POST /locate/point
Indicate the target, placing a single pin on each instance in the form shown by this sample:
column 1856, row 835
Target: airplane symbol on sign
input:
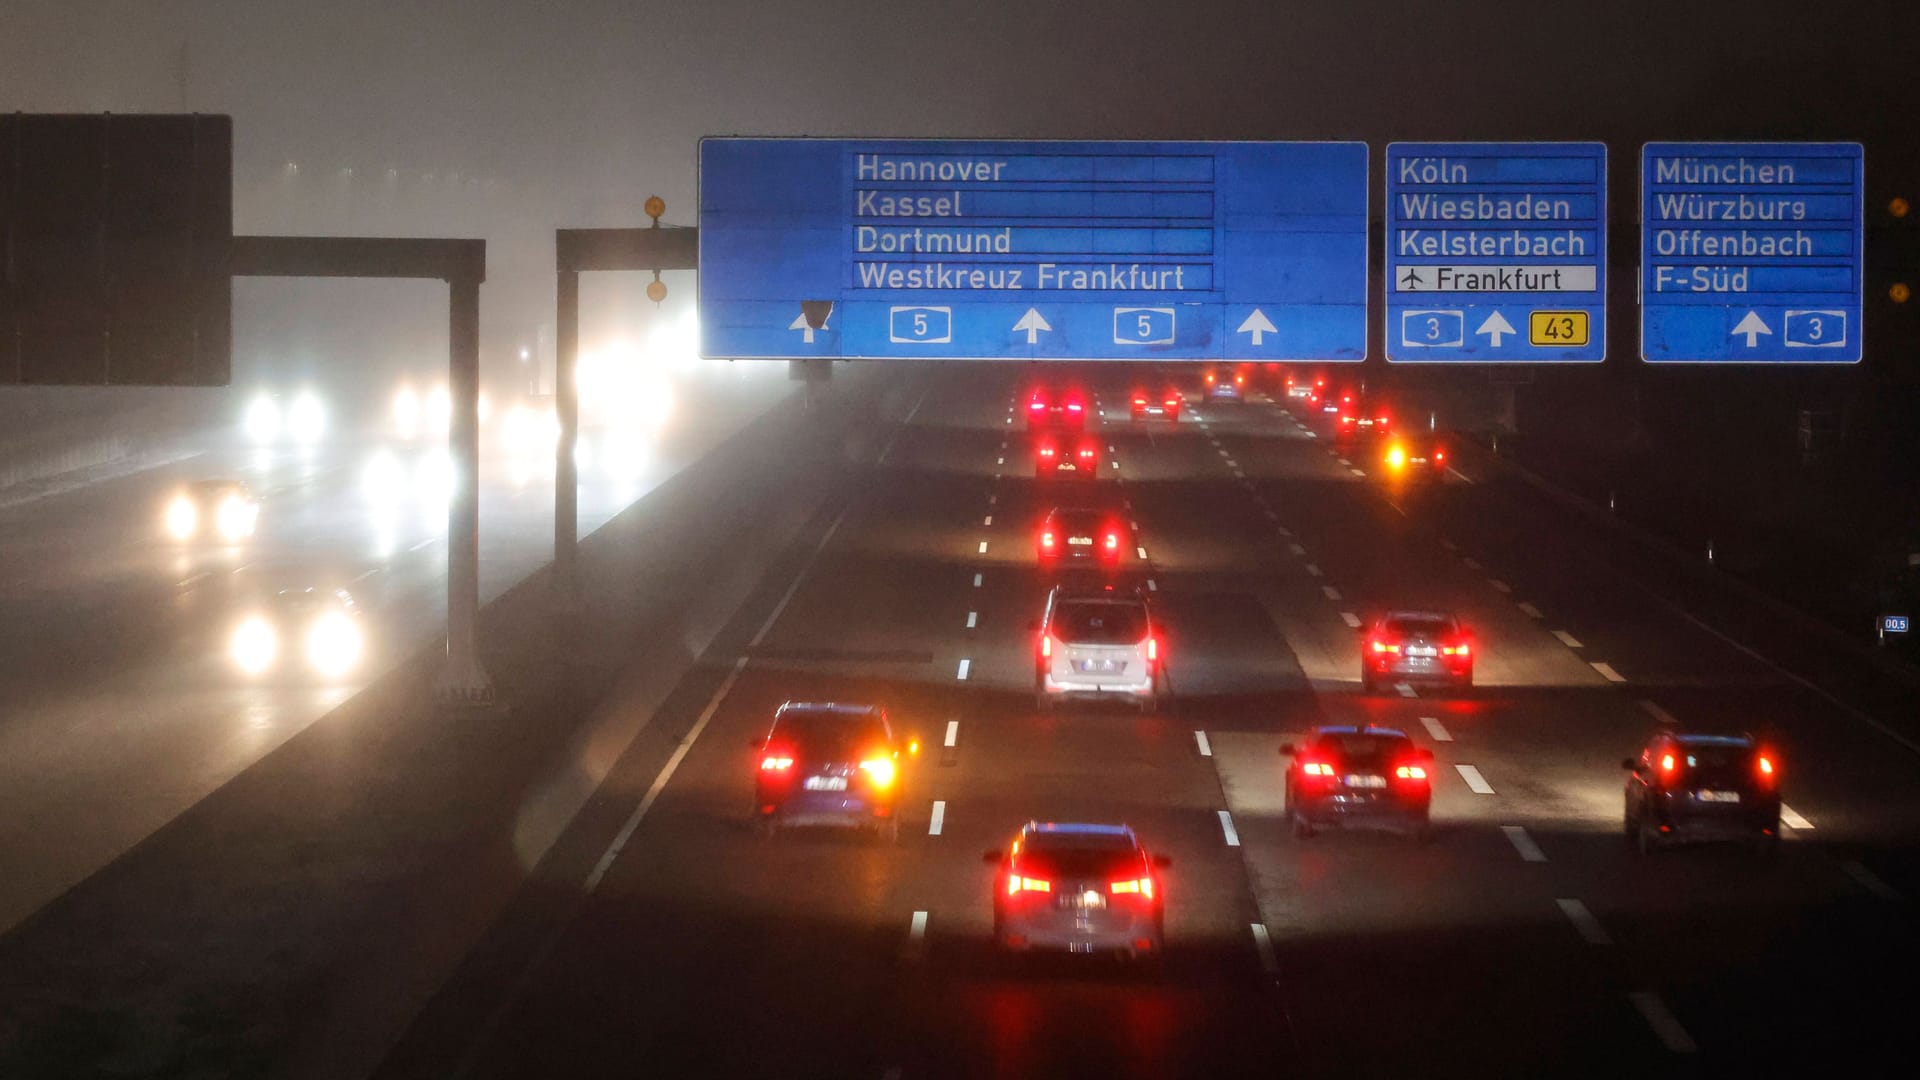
column 1412, row 277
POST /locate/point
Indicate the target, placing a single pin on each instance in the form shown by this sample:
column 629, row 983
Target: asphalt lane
column 123, row 710
column 1526, row 939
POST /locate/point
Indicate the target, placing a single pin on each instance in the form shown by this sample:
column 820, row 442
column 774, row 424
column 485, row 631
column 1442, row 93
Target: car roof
column 1442, row 616
column 1690, row 738
column 1352, row 729
column 1087, row 595
column 1074, row 834
column 828, row 707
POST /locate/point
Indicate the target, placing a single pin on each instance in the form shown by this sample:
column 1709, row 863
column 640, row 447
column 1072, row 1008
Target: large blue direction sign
column 1750, row 252
column 1496, row 252
column 1033, row 250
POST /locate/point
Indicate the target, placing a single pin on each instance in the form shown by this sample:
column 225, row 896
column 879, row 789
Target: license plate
column 1719, row 796
column 1080, row 541
column 1068, row 466
column 1420, row 650
column 1084, row 900
column 826, row 783
column 1359, row 781
column 1418, row 460
column 1109, row 667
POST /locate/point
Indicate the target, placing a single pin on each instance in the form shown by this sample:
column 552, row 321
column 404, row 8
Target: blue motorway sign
column 1751, row 252
column 1893, row 624
column 1496, row 252
column 1033, row 250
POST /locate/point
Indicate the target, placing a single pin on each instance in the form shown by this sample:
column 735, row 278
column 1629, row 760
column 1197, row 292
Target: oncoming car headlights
column 182, row 518
column 333, row 645
column 254, row 645
column 236, row 518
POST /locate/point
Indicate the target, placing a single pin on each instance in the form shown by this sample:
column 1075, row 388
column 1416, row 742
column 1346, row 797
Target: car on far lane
column 1359, row 777
column 1302, row 388
column 1414, row 459
column 1692, row 786
column 1416, row 647
column 223, row 510
column 1079, row 888
column 300, row 635
column 1056, row 408
column 1097, row 644
column 827, row 763
column 1081, row 536
column 1157, row 401
column 1362, row 419
column 1225, row 383
column 1060, row 458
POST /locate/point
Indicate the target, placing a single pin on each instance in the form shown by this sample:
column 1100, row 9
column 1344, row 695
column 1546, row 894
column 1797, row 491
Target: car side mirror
column 991, row 857
column 1162, row 861
column 1630, row 765
column 1287, row 750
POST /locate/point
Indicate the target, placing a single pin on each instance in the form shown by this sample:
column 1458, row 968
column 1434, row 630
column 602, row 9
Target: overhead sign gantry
column 903, row 249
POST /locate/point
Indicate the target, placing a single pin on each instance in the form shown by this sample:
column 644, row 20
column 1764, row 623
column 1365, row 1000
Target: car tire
column 1645, row 840
column 1302, row 828
column 1366, row 682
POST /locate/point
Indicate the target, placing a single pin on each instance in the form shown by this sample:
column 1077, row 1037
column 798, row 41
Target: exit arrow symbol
column 1258, row 325
column 1032, row 323
column 1752, row 327
column 800, row 323
column 1496, row 327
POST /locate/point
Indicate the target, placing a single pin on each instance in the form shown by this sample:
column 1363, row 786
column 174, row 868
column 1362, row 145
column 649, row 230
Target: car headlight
column 406, row 412
column 254, row 645
column 236, row 518
column 183, row 518
column 306, row 419
column 262, row 420
column 333, row 645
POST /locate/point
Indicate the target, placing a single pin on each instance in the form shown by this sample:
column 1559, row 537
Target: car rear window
column 1428, row 627
column 1080, row 855
column 1365, row 748
column 1717, row 757
column 830, row 735
column 1100, row 623
column 1077, row 522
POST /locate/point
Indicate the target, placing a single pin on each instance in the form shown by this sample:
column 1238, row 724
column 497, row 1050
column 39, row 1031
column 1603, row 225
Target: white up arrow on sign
column 1032, row 323
column 1752, row 326
column 1495, row 327
column 800, row 323
column 1258, row 325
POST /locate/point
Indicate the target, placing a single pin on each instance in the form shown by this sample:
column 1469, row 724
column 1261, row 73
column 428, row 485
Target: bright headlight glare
column 236, row 517
column 440, row 410
column 307, row 419
column 182, row 518
column 254, row 645
column 262, row 420
column 406, row 412
column 333, row 645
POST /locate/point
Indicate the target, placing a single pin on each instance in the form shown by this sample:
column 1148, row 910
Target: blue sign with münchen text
column 1751, row 252
column 902, row 249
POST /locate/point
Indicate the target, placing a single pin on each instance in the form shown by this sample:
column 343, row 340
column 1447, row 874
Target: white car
column 1097, row 645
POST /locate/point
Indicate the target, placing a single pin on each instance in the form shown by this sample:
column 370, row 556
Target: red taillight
column 1239, row 379
column 1380, row 421
column 1087, row 453
column 1113, row 541
column 1173, row 402
column 1037, row 405
column 1765, row 765
column 1153, row 649
column 1046, row 646
column 1142, row 887
column 1454, row 650
column 776, row 762
column 1316, row 768
column 1346, row 419
column 1140, row 400
column 1046, row 540
column 1074, row 406
column 1439, row 456
column 1666, row 763
column 1411, row 772
column 1046, row 451
column 1384, row 646
column 1017, row 884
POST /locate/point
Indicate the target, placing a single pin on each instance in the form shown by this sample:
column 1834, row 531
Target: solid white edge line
column 953, row 733
column 1791, row 819
column 1475, row 782
column 355, row 581
column 1606, row 672
column 1583, row 921
column 966, row 665
column 415, row 547
column 1522, row 843
column 1661, row 1019
column 1227, row 829
column 939, row 818
column 1567, row 639
column 1263, row 947
column 1200, row 739
column 1434, row 729
column 1350, row 619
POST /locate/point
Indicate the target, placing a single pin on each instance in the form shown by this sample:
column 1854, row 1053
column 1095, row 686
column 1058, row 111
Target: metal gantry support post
column 463, row 679
column 566, row 405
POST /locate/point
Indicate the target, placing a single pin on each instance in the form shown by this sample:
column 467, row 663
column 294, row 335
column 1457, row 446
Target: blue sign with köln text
column 1751, row 252
column 1496, row 252
column 907, row 249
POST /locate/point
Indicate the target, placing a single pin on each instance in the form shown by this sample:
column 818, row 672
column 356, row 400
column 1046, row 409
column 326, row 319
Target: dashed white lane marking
column 1791, row 819
column 988, row 520
column 1529, row 610
column 1285, row 533
column 1296, row 549
column 973, row 619
column 415, row 547
column 966, row 665
column 1313, row 570
column 1470, row 564
column 1232, row 464
column 1140, row 551
column 1116, row 465
column 1606, row 672
column 1271, row 516
column 1343, row 461
column 1000, row 461
column 1583, row 921
column 1463, row 477
column 917, row 935
column 1567, row 639
column 1200, row 740
column 1152, row 586
column 1448, row 544
column 356, row 580
column 1330, row 592
column 1128, row 503
column 1358, row 472
column 1223, row 451
column 939, row 818
column 1111, row 449
column 1227, row 829
column 1870, row 881
column 1263, row 945
column 1136, row 525
column 983, row 547
column 1499, row 586
column 1522, row 843
column 1405, row 689
column 1658, row 713
column 953, row 733
column 1661, row 1020
column 1350, row 619
column 1439, row 733
column 1475, row 782
column 205, row 574
column 976, row 580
